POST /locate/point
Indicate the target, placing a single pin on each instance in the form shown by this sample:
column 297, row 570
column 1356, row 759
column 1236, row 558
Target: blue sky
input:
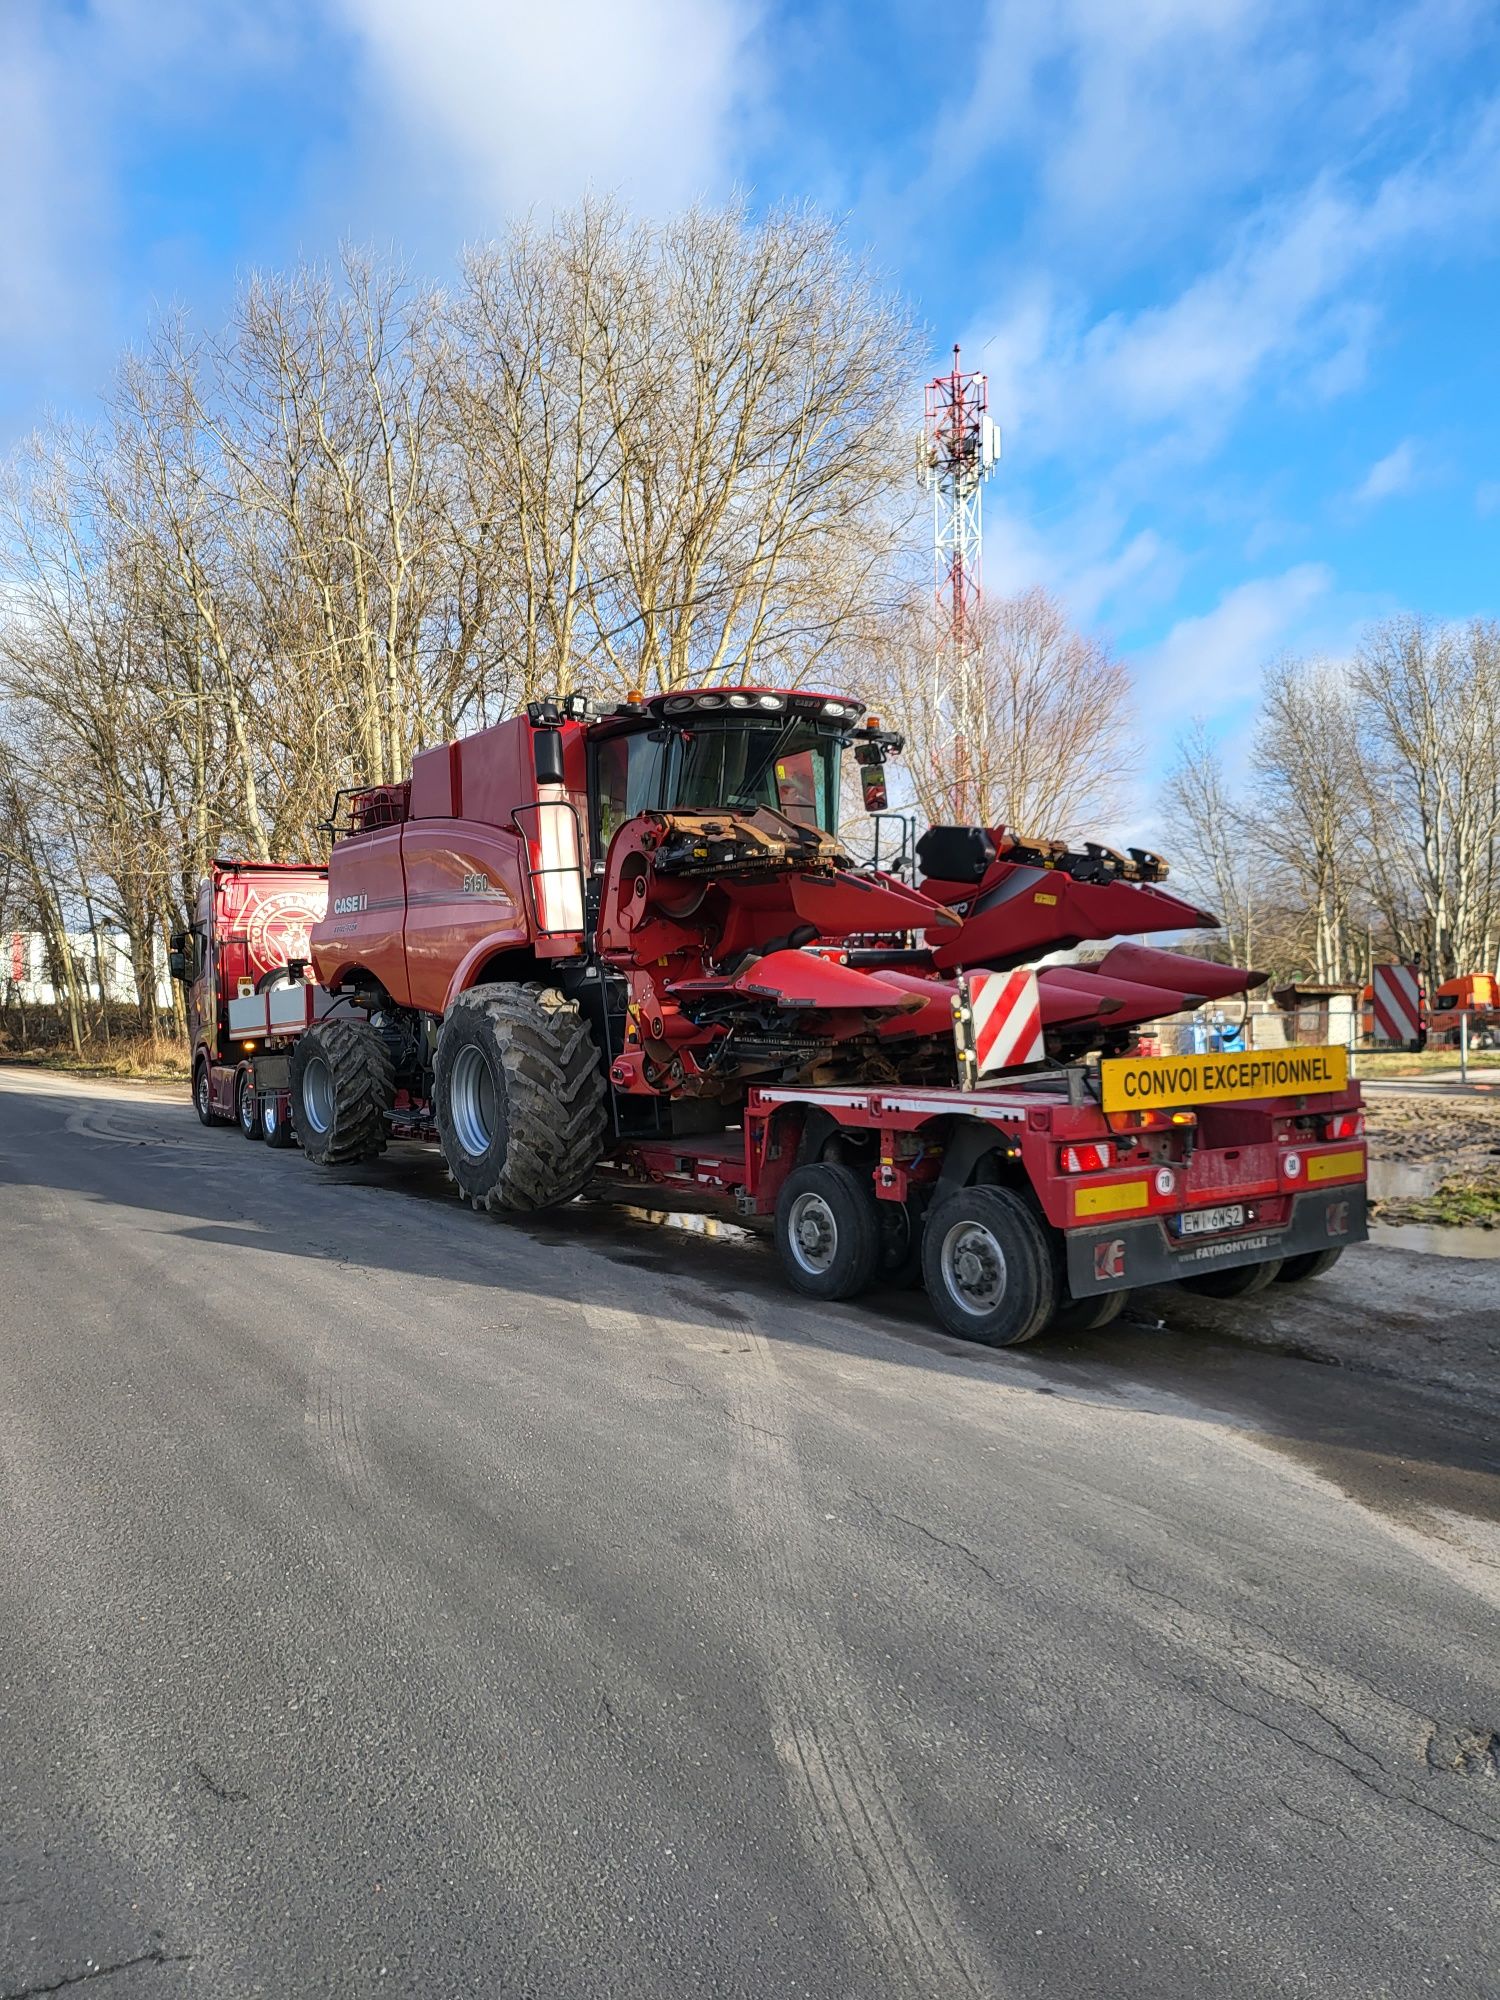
column 1229, row 264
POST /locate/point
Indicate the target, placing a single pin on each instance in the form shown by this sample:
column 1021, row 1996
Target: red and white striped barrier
column 999, row 1023
column 1400, row 1013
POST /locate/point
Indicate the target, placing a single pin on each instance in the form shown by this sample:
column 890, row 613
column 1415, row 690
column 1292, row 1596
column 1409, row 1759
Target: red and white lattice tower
column 960, row 447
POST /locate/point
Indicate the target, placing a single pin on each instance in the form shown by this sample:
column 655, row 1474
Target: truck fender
column 497, row 944
column 968, row 1142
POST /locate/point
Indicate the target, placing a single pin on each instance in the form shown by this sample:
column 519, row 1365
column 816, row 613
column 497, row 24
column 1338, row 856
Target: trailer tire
column 1241, row 1281
column 519, row 1097
column 1310, row 1264
column 987, row 1263
column 827, row 1231
column 1088, row 1315
column 901, row 1224
column 343, row 1083
column 247, row 1107
column 276, row 1121
column 203, row 1101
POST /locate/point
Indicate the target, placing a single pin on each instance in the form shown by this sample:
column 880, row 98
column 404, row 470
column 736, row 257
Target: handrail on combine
column 554, row 864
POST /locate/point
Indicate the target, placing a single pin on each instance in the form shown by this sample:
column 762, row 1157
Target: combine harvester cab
column 621, row 948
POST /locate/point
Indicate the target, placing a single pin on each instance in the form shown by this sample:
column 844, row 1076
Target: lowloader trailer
column 620, row 951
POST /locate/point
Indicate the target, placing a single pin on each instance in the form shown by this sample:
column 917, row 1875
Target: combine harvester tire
column 519, row 1097
column 343, row 1083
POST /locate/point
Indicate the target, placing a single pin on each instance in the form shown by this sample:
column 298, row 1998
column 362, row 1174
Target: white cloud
column 1208, row 665
column 536, row 107
column 1398, row 472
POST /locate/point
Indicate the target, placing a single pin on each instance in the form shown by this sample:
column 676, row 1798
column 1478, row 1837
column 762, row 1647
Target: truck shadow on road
column 1399, row 1447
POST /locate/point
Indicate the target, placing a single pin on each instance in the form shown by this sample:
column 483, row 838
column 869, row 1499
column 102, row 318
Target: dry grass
column 159, row 1058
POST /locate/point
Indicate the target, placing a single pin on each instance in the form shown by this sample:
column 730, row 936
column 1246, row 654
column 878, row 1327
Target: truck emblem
column 1109, row 1259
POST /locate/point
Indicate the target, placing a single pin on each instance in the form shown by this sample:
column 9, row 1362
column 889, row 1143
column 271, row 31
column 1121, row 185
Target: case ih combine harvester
column 621, row 949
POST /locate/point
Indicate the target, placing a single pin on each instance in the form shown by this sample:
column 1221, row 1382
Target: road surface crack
column 921, row 1527
column 222, row 1792
column 100, row 1972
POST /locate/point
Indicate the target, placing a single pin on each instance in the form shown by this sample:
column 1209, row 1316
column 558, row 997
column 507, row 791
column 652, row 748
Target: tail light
column 1149, row 1121
column 1344, row 1125
column 1088, row 1159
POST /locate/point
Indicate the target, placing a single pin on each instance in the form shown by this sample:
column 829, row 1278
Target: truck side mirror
column 177, row 956
column 547, row 756
column 870, row 757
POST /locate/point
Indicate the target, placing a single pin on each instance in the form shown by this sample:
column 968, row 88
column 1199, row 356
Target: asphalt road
column 394, row 1601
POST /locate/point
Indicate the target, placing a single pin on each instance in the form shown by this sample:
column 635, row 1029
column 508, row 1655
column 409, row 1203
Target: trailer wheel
column 343, row 1083
column 987, row 1265
column 1243, row 1281
column 900, row 1244
column 519, row 1097
column 1088, row 1315
column 247, row 1106
column 827, row 1231
column 1311, row 1264
column 276, row 1120
column 203, row 1099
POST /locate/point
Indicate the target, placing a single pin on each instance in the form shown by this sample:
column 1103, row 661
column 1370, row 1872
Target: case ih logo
column 277, row 928
column 349, row 906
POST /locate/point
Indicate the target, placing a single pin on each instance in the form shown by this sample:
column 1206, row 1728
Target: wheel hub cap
column 471, row 1098
column 813, row 1232
column 974, row 1267
column 317, row 1094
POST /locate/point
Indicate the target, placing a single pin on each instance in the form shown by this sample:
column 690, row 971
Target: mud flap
column 1135, row 1254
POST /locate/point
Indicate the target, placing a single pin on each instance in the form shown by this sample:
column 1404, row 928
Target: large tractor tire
column 519, row 1097
column 343, row 1083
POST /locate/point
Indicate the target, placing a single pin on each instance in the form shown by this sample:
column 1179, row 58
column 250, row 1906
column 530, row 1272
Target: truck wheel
column 518, row 1097
column 276, row 1120
column 1242, row 1282
column 1311, row 1264
column 900, row 1244
column 1088, row 1315
column 987, row 1265
column 203, row 1102
column 343, row 1083
column 247, row 1106
column 827, row 1231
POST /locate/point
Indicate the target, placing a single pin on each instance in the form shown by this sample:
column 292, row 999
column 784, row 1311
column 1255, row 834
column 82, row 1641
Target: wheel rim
column 317, row 1093
column 247, row 1107
column 268, row 1118
column 812, row 1234
column 973, row 1266
column 471, row 1098
column 203, row 1093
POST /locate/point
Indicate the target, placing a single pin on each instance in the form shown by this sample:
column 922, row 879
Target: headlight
column 769, row 701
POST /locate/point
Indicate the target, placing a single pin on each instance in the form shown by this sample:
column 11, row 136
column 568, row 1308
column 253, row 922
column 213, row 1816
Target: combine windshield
column 787, row 763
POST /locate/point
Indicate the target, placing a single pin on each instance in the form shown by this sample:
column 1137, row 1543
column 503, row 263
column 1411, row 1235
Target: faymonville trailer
column 620, row 949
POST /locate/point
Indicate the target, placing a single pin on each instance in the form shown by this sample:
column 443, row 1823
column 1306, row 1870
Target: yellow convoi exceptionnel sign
column 1155, row 1083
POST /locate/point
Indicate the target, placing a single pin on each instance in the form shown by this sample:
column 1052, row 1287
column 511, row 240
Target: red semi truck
column 252, row 917
column 621, row 949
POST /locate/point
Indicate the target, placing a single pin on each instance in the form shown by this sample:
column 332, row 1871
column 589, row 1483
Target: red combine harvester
column 252, row 917
column 621, row 949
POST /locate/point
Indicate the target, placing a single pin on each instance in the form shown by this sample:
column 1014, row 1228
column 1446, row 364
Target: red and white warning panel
column 997, row 1024
column 1399, row 1006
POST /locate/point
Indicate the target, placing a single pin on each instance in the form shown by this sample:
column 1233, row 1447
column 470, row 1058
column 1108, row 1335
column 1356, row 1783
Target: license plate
column 1209, row 1221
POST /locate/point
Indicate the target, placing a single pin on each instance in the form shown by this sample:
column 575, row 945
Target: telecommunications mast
column 959, row 449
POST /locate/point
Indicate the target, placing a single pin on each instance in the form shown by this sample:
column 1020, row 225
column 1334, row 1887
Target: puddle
column 1436, row 1242
column 1403, row 1180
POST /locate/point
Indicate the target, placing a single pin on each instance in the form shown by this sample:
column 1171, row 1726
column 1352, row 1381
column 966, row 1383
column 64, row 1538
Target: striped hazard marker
column 1398, row 1004
column 1004, row 1026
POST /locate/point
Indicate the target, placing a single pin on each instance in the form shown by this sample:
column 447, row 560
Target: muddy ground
column 1434, row 1159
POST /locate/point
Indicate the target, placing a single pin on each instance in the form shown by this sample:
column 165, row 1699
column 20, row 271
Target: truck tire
column 519, row 1097
column 1088, row 1315
column 1310, row 1264
column 276, row 1120
column 987, row 1263
column 1242, row 1281
column 203, row 1102
column 247, row 1106
column 343, row 1083
column 827, row 1231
